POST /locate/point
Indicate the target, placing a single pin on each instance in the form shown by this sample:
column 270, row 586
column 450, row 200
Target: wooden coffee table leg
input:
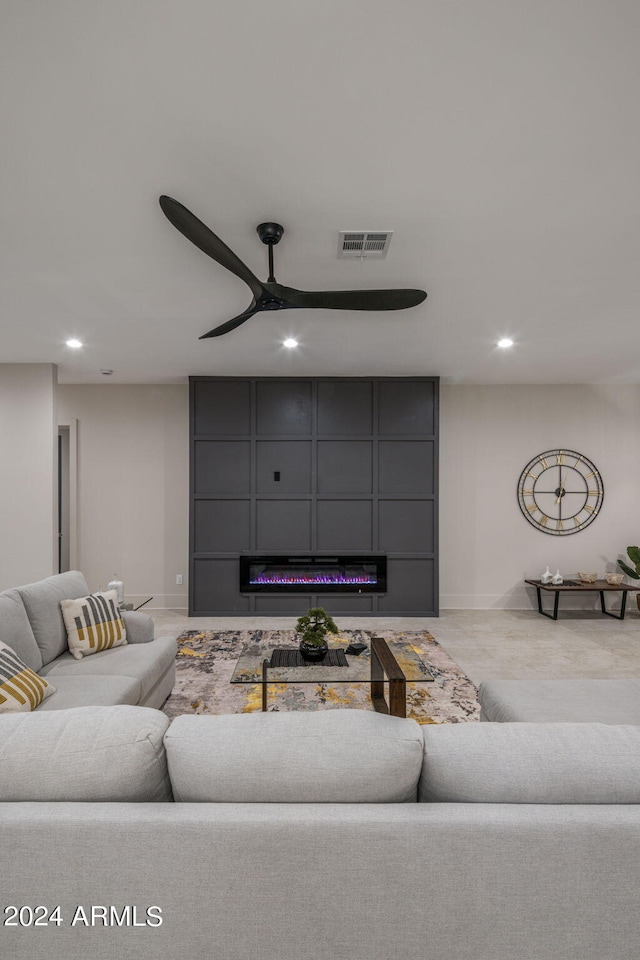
column 383, row 663
column 398, row 697
column 377, row 682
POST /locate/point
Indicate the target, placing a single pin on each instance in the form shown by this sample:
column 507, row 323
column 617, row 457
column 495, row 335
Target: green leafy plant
column 315, row 625
column 634, row 555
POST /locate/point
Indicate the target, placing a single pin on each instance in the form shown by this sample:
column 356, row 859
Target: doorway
column 67, row 491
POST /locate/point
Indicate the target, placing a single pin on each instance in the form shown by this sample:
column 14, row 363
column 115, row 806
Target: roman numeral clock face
column 560, row 492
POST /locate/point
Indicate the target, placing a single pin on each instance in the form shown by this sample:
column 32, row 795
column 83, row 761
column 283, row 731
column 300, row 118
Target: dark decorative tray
column 290, row 657
column 565, row 583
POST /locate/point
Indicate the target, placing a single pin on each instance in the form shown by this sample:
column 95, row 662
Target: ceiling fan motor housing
column 270, row 232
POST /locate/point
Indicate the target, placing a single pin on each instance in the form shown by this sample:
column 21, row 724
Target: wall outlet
column 179, row 579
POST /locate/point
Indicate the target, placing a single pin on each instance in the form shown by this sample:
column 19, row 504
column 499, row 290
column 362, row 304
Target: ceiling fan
column 271, row 295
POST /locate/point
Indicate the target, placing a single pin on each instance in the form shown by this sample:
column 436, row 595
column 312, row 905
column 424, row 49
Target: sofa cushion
column 92, row 692
column 21, row 689
column 93, row 623
column 146, row 662
column 15, row 629
column 573, row 701
column 86, row 753
column 334, row 756
column 139, row 626
column 530, row 763
column 42, row 603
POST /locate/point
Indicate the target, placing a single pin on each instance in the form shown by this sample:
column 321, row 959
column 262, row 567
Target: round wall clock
column 560, row 492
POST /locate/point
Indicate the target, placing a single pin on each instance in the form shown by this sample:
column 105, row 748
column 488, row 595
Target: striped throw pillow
column 21, row 688
column 93, row 623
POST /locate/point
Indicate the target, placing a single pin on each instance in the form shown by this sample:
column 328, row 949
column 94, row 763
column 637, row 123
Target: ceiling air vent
column 364, row 244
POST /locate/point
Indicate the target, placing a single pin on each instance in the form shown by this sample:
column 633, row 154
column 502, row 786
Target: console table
column 129, row 605
column 577, row 586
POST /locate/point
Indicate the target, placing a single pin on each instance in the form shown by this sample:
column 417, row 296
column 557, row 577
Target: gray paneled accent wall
column 314, row 465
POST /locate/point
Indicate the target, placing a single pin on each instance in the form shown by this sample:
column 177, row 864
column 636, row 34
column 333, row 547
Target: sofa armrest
column 139, row 626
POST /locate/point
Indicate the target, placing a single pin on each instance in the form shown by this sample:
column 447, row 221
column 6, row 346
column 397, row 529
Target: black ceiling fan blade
column 204, row 238
column 356, row 299
column 231, row 324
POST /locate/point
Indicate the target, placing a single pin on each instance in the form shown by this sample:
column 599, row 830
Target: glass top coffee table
column 395, row 662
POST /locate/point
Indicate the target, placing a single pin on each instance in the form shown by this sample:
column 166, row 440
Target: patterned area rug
column 206, row 660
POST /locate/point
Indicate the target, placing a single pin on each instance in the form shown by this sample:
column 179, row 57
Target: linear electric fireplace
column 300, row 574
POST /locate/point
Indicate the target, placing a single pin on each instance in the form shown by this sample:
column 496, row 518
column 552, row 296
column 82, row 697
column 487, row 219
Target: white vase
column 557, row 578
column 118, row 586
column 547, row 576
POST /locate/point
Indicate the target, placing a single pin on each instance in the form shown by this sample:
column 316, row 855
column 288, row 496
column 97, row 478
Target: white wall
column 133, row 486
column 28, row 473
column 488, row 434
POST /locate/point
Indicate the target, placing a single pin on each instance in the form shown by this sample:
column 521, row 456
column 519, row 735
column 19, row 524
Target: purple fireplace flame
column 313, row 577
column 299, row 574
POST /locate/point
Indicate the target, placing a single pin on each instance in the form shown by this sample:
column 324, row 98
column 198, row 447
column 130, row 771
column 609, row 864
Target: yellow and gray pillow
column 93, row 623
column 21, row 688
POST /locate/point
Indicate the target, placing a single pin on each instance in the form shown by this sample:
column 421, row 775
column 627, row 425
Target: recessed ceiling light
column 290, row 343
column 74, row 343
column 505, row 343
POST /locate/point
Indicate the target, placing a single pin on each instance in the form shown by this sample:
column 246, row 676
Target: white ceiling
column 498, row 139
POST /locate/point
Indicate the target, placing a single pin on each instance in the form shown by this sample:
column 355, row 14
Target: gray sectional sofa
column 560, row 701
column 338, row 835
column 142, row 672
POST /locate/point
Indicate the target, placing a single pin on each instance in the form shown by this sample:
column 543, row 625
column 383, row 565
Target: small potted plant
column 634, row 555
column 312, row 629
column 634, row 572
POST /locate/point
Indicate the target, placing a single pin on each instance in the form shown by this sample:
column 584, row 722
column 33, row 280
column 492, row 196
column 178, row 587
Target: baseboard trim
column 522, row 600
column 159, row 601
column 486, row 601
